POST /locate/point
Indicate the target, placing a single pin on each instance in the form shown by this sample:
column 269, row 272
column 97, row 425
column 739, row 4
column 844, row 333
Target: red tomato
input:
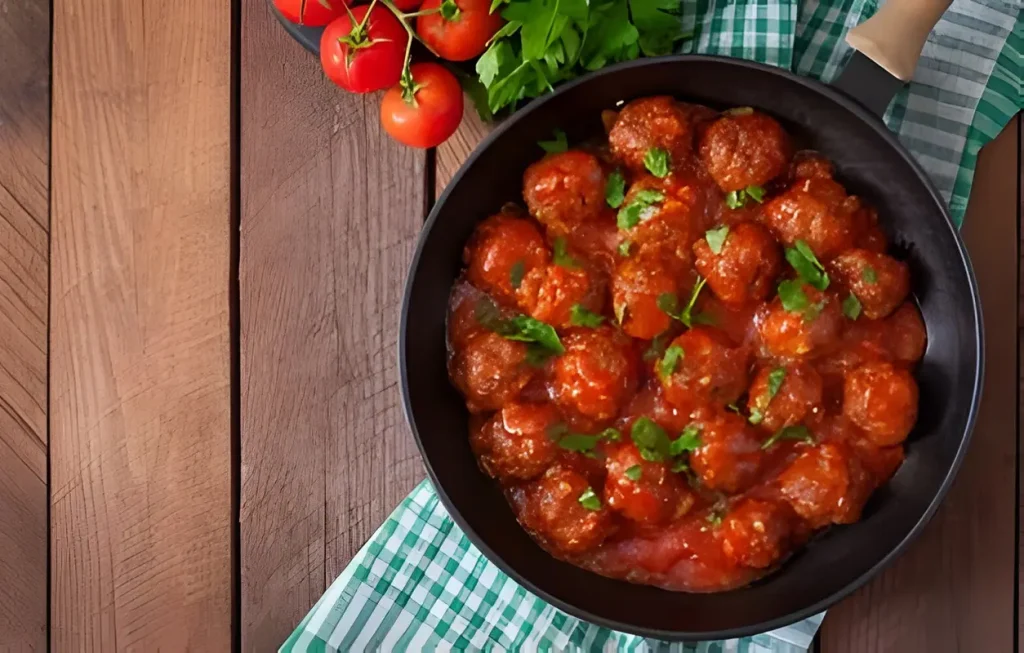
column 430, row 113
column 460, row 29
column 312, row 13
column 366, row 56
column 407, row 5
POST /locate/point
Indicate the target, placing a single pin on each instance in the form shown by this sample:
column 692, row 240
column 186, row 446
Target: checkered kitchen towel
column 419, row 584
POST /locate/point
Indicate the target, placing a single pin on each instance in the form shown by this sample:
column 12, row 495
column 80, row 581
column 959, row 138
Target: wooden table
column 202, row 251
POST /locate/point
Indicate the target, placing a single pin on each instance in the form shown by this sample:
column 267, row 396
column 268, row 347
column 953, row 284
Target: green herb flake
column 581, row 317
column 680, row 465
column 650, row 439
column 735, row 199
column 624, row 248
column 610, row 434
column 807, row 265
column 589, row 499
column 792, row 296
column 668, row 303
column 560, row 254
column 668, row 364
column 657, row 162
column 799, row 432
column 631, row 214
column 634, row 473
column 656, row 348
column 869, row 275
column 523, row 328
column 685, row 315
column 756, row 416
column 755, row 193
column 517, row 273
column 578, row 442
column 615, row 189
column 775, row 379
column 851, row 307
column 813, row 311
column 716, row 238
column 688, row 440
column 559, row 144
column 714, row 518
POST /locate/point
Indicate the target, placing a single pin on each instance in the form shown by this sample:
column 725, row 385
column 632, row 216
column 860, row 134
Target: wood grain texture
column 24, row 272
column 140, row 369
column 954, row 589
column 331, row 209
column 453, row 152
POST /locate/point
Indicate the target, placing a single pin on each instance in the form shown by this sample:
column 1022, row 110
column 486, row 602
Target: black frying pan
column 871, row 163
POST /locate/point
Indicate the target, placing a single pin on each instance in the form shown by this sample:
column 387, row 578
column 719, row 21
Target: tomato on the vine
column 366, row 55
column 425, row 108
column 459, row 29
column 407, row 5
column 312, row 13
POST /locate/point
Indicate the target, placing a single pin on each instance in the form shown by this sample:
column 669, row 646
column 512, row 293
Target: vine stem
column 411, row 32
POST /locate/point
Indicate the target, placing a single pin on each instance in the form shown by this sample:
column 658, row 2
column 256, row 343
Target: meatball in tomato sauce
column 755, row 533
column 551, row 292
column 646, row 492
column 745, row 265
column 515, row 443
column 784, row 395
column 816, row 211
column 565, row 190
column 882, row 400
column 729, row 456
column 563, row 510
column 809, row 327
column 826, row 484
column 595, row 376
column 880, row 282
column 654, row 122
column 637, row 283
column 490, row 371
column 700, row 367
column 502, row 251
column 744, row 148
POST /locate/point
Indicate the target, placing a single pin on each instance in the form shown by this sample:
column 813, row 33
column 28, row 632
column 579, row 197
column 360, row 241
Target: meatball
column 706, row 369
column 803, row 333
column 798, row 391
column 826, row 484
column 869, row 235
column 514, row 444
column 595, row 376
column 551, row 507
column 729, row 455
column 665, row 224
column 502, row 250
column 744, row 268
column 549, row 293
column 645, row 492
column 565, row 189
column 816, row 211
column 880, row 282
column 490, row 371
column 808, row 164
column 755, row 533
column 744, row 148
column 648, row 123
column 905, row 334
column 882, row 400
column 637, row 283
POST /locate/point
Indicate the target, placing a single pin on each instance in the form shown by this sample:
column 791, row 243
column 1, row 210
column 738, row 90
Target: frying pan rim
column 874, row 122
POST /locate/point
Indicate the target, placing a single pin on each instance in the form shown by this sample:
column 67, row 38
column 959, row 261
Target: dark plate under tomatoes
column 687, row 350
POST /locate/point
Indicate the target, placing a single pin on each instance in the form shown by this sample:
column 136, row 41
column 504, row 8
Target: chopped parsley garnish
column 761, row 402
column 792, row 296
column 680, row 465
column 688, row 440
column 542, row 339
column 615, row 190
column 634, row 473
column 851, row 307
column 589, row 500
column 560, row 254
column 735, row 199
column 869, row 275
column 580, row 316
column 631, row 214
column 559, row 144
column 799, row 432
column 716, row 238
column 651, row 440
column 657, row 161
column 669, row 303
column 668, row 364
column 715, row 516
column 656, row 348
column 807, row 265
column 775, row 379
column 517, row 273
column 580, row 442
column 739, row 111
column 756, row 416
column 813, row 311
column 624, row 247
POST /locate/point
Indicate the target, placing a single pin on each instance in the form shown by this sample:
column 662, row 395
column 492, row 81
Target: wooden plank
column 330, row 212
column 24, row 274
column 140, row 368
column 954, row 589
column 453, row 152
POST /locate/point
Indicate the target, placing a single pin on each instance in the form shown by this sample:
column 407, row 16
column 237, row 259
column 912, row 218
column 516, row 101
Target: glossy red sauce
column 688, row 448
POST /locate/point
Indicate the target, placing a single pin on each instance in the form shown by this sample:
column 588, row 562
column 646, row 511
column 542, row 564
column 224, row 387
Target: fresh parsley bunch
column 546, row 42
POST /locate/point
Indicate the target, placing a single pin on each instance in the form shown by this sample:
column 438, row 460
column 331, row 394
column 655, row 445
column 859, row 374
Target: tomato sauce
column 688, row 352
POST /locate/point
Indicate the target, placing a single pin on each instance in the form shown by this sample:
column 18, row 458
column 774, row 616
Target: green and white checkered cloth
column 419, row 584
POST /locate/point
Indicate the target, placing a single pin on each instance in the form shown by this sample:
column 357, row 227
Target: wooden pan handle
column 894, row 37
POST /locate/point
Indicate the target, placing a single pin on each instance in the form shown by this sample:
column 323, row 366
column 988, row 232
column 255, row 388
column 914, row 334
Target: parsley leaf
column 560, row 254
column 580, row 316
column 634, row 473
column 668, row 364
column 542, row 337
column 792, row 296
column 631, row 214
column 689, row 440
column 669, row 303
column 869, row 275
column 716, row 238
column 611, row 434
column 650, row 439
column 516, row 274
column 578, row 442
column 761, row 402
column 851, row 307
column 657, row 162
column 624, row 247
column 799, row 432
column 756, row 416
column 807, row 265
column 775, row 379
column 684, row 316
column 589, row 499
column 755, row 193
column 615, row 189
column 559, row 144
column 734, row 199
